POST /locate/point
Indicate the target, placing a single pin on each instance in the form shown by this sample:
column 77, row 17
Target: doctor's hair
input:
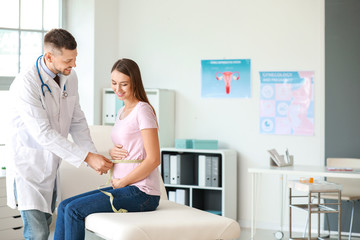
column 59, row 38
column 131, row 69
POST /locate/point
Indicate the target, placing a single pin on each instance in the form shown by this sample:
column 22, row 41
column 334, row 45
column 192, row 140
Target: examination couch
column 170, row 221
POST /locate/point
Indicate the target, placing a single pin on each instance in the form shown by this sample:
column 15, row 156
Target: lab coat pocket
column 68, row 114
column 71, row 104
column 32, row 163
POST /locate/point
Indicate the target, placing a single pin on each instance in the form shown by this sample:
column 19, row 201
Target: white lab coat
column 38, row 139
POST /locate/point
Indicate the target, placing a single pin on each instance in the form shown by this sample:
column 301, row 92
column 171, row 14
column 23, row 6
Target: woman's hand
column 118, row 183
column 117, row 152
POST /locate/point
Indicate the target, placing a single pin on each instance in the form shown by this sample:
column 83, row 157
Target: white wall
column 94, row 25
column 169, row 39
column 79, row 19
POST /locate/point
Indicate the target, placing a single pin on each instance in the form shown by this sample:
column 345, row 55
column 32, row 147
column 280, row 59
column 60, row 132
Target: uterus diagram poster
column 287, row 103
column 225, row 78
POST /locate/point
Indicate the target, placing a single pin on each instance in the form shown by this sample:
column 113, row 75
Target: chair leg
column 307, row 222
column 328, row 225
column 352, row 218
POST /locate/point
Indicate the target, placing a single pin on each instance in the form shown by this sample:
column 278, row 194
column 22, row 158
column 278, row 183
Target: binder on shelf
column 215, row 171
column 202, row 170
column 208, row 171
column 172, row 196
column 109, row 113
column 173, row 169
column 181, row 169
column 182, row 196
column 166, row 168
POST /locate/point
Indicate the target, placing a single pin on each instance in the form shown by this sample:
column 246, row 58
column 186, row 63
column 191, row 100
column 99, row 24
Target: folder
column 173, row 169
column 172, row 196
column 208, row 171
column 202, row 169
column 166, row 168
column 182, row 196
column 214, row 171
column 109, row 112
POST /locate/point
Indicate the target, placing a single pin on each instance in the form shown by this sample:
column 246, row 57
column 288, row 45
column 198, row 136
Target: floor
column 245, row 235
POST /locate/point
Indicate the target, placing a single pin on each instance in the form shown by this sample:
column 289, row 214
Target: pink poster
column 287, row 103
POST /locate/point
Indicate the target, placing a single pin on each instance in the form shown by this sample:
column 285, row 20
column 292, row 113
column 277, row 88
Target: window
column 23, row 24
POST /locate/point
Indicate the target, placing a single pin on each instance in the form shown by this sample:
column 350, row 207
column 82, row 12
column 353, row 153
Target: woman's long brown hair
column 131, row 69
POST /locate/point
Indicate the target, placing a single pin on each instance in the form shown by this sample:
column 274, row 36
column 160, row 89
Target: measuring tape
column 109, row 180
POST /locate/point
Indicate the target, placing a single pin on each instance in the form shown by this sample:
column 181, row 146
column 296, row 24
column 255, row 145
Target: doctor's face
column 61, row 62
column 121, row 85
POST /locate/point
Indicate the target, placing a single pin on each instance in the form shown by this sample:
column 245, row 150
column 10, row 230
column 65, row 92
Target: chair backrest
column 350, row 186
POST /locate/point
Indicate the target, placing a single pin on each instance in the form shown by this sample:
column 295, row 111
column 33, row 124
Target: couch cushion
column 169, row 221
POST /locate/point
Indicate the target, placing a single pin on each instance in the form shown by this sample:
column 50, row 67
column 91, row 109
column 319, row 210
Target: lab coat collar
column 45, row 68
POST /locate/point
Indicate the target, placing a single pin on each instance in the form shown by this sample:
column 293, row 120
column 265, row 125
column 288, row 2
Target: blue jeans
column 36, row 223
column 70, row 222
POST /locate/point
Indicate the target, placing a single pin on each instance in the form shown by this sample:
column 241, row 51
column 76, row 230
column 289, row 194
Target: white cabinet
column 163, row 101
column 10, row 219
column 219, row 197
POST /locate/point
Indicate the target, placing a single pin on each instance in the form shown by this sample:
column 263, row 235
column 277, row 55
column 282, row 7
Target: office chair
column 350, row 191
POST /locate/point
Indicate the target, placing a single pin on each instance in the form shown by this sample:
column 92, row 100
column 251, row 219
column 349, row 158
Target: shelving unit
column 10, row 219
column 222, row 199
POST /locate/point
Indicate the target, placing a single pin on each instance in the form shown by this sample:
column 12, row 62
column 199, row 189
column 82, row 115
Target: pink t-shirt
column 127, row 132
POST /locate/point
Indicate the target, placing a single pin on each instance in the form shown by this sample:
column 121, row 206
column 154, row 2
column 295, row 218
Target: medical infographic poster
column 287, row 103
column 225, row 78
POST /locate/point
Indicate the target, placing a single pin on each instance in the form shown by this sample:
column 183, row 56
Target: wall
column 94, row 25
column 79, row 20
column 169, row 39
column 342, row 37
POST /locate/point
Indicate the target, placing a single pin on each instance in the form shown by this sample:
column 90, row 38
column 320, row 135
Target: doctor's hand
column 98, row 162
column 118, row 152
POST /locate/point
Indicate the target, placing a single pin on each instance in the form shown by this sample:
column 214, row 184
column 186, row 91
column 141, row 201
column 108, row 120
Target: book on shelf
column 172, row 196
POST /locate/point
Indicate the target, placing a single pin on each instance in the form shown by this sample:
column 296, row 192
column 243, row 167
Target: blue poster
column 225, row 78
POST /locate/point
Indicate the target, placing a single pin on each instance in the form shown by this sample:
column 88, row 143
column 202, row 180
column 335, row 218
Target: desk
column 299, row 170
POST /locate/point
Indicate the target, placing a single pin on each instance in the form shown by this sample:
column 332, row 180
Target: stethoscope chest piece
column 64, row 95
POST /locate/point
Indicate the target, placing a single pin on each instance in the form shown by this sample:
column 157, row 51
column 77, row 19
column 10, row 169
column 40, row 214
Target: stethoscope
column 64, row 94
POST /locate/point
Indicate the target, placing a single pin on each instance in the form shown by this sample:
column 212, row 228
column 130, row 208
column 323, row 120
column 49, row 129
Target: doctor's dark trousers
column 70, row 222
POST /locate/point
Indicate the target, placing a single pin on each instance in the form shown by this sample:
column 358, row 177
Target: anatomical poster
column 225, row 78
column 287, row 103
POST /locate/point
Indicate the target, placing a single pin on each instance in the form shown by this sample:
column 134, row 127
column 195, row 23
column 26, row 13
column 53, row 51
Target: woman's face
column 121, row 85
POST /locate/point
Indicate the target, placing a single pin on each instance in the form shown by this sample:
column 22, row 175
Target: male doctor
column 43, row 113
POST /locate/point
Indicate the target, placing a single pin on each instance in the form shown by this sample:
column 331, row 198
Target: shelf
column 193, row 186
column 217, row 195
column 315, row 208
